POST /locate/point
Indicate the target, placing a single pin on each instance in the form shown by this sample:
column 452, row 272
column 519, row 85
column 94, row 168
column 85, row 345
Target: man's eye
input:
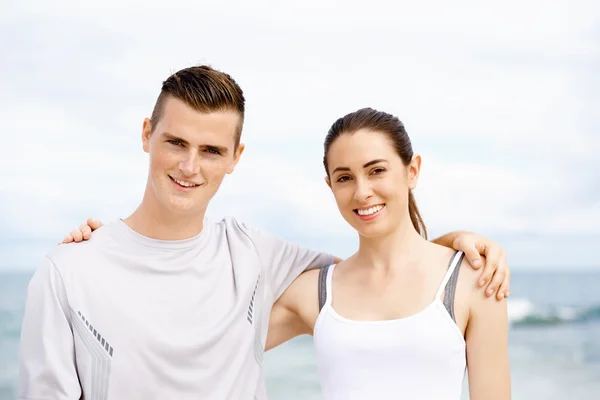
column 214, row 151
column 174, row 142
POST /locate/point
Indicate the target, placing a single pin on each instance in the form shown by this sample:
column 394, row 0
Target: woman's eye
column 343, row 178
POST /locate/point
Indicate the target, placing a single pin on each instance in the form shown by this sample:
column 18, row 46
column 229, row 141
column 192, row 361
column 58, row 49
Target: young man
column 163, row 304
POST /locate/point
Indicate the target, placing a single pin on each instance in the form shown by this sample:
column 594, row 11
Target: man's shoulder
column 237, row 230
column 65, row 255
column 232, row 223
column 242, row 237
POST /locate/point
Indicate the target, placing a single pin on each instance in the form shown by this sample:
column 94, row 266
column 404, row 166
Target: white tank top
column 418, row 357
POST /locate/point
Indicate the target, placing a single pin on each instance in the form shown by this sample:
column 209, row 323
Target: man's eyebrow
column 366, row 165
column 173, row 137
column 221, row 149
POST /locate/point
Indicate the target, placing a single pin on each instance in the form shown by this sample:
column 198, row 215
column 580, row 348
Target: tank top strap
column 454, row 262
column 325, row 277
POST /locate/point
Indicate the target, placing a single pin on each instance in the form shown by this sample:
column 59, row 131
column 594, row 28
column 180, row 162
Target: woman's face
column 369, row 181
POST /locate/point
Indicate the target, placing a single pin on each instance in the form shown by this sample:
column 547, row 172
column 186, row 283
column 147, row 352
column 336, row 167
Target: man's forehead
column 197, row 131
column 176, row 110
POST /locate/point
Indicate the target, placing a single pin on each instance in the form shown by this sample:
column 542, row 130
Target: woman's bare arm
column 284, row 324
column 294, row 313
column 487, row 349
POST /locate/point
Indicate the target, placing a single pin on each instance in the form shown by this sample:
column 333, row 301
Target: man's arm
column 495, row 274
column 47, row 354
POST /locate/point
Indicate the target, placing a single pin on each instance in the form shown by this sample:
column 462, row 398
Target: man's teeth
column 186, row 184
column 370, row 211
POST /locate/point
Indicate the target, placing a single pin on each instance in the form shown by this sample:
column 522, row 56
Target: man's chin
column 186, row 208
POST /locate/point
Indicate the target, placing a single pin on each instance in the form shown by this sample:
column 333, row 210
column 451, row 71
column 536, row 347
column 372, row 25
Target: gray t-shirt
column 123, row 316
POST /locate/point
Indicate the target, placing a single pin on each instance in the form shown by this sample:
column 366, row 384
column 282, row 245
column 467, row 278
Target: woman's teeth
column 183, row 183
column 369, row 211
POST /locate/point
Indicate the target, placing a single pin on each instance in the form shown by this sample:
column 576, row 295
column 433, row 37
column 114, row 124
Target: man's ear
column 146, row 133
column 236, row 157
column 413, row 169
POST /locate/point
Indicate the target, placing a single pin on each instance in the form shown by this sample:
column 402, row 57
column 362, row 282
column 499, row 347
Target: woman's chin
column 372, row 232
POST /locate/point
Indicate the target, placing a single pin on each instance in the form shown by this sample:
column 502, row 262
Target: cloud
column 500, row 99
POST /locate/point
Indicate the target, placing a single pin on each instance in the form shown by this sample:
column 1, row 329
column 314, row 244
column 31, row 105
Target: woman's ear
column 413, row 170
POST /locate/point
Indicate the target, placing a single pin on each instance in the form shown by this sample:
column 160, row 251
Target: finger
column 504, row 288
column 86, row 231
column 493, row 259
column 472, row 254
column 68, row 239
column 94, row 224
column 77, row 236
column 495, row 283
column 488, row 271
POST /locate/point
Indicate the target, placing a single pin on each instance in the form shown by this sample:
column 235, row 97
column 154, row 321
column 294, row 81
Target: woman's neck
column 395, row 250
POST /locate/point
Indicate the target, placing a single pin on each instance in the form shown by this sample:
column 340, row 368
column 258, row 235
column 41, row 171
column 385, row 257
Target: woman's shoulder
column 303, row 288
column 478, row 301
column 309, row 277
column 469, row 274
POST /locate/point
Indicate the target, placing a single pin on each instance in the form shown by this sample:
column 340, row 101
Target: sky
column 500, row 100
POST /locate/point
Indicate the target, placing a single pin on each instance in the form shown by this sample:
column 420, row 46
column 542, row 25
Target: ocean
column 554, row 340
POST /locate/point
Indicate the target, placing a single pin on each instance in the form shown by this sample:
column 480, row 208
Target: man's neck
column 157, row 223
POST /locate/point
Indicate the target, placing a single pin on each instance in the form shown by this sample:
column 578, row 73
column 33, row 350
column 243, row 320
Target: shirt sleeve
column 47, row 355
column 285, row 261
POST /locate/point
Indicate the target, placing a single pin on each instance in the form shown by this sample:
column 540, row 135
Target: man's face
column 190, row 153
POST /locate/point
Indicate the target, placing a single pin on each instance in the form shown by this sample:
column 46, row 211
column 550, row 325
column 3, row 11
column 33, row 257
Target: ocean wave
column 522, row 312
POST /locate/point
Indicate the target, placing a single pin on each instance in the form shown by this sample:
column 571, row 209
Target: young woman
column 402, row 317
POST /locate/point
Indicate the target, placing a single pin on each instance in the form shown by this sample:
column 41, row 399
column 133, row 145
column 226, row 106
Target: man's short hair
column 205, row 89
